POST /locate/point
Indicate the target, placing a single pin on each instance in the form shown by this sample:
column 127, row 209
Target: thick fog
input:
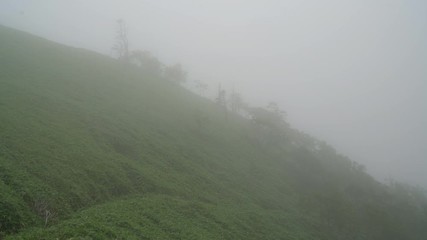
column 351, row 72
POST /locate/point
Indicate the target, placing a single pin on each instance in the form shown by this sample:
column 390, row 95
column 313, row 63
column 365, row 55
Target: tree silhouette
column 221, row 100
column 121, row 45
column 201, row 86
column 236, row 102
column 175, row 73
column 146, row 61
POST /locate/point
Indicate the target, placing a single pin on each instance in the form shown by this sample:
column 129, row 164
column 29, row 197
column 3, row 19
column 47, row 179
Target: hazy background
column 351, row 72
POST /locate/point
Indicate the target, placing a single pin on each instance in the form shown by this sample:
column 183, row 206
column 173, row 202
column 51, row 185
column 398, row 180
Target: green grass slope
column 92, row 149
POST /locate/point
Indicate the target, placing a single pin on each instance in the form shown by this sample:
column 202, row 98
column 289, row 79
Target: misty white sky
column 351, row 72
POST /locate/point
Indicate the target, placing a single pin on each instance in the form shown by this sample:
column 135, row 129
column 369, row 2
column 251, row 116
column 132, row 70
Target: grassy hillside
column 93, row 149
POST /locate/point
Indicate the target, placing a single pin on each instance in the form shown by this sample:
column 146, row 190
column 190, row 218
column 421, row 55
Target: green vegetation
column 94, row 149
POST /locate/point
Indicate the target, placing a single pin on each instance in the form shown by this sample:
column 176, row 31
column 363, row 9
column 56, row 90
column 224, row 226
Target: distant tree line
column 144, row 59
column 270, row 118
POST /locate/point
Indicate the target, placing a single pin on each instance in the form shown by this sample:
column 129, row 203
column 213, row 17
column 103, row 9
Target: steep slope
column 94, row 149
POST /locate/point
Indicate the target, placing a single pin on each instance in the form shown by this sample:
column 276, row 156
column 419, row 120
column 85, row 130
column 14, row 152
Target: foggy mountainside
column 95, row 148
